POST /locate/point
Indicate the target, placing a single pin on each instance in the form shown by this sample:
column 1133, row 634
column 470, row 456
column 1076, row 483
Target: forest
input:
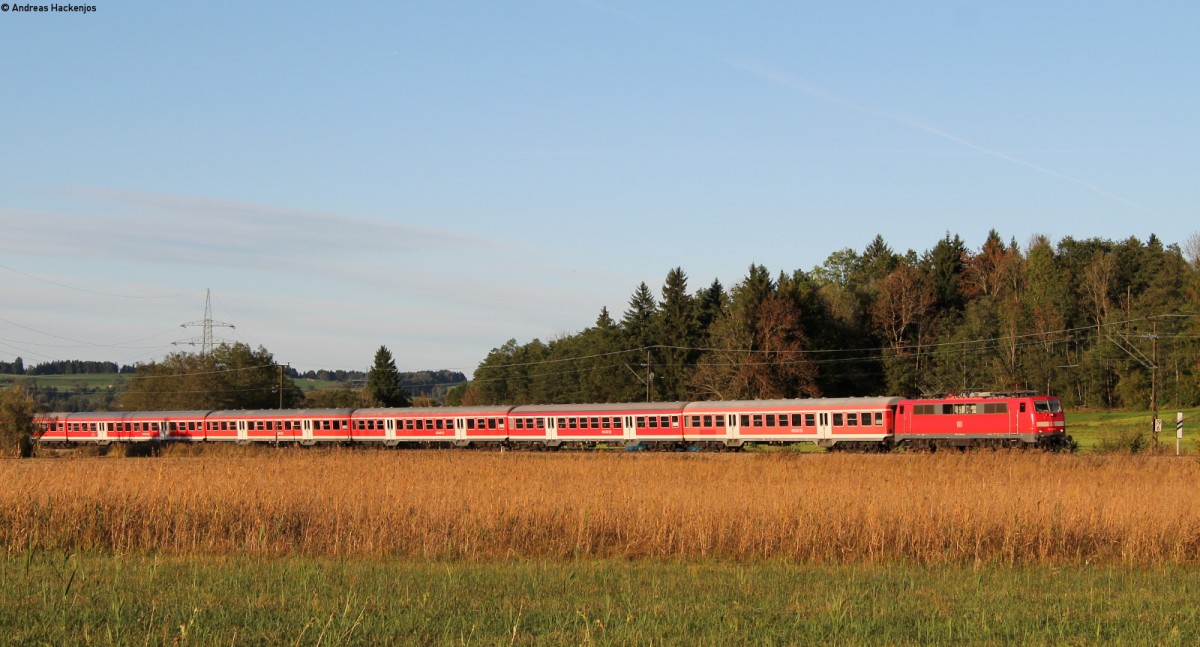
column 1099, row 323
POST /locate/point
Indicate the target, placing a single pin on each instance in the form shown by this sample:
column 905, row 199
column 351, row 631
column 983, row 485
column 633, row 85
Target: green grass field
column 1088, row 428
column 114, row 381
column 97, row 600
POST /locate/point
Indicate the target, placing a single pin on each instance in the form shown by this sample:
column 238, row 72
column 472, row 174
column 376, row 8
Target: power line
column 97, row 292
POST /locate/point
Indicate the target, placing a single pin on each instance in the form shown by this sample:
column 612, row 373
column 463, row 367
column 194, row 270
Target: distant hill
column 82, row 386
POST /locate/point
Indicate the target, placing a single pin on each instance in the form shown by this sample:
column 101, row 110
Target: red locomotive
column 877, row 423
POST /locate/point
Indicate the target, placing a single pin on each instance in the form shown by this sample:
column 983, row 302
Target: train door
column 102, row 432
column 551, row 431
column 460, row 430
column 389, row 431
column 628, row 430
column 306, row 432
column 732, row 431
column 243, row 433
column 824, row 429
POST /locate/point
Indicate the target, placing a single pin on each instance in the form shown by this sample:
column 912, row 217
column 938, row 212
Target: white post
column 1178, row 431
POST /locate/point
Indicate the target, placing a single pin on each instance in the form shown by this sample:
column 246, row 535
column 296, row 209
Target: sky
column 441, row 177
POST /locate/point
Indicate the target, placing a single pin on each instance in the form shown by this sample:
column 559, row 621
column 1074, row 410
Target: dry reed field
column 945, row 508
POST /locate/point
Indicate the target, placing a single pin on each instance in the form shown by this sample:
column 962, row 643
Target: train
column 863, row 423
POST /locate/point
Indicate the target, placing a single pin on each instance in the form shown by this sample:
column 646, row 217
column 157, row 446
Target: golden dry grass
column 817, row 508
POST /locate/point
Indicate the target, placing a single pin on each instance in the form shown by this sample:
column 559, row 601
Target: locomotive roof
column 530, row 409
column 713, row 405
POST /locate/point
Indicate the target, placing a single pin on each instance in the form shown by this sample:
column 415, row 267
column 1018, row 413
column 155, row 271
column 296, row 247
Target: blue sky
column 439, row 177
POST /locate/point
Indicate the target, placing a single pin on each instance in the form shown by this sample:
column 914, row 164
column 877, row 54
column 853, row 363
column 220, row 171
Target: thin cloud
column 785, row 79
column 156, row 228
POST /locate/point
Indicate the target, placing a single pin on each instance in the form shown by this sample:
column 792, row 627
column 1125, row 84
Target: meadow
column 926, row 509
column 60, row 599
column 340, row 547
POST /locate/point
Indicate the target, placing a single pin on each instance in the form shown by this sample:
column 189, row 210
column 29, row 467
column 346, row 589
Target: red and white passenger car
column 872, row 422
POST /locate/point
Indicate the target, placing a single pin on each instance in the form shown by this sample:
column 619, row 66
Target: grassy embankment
column 1097, row 429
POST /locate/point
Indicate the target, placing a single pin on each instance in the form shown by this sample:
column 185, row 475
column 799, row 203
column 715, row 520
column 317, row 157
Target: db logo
column 4, row 7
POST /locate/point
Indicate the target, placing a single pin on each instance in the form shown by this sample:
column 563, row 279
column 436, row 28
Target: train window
column 923, row 409
column 770, row 420
column 653, row 422
column 420, row 424
column 562, row 423
column 674, row 421
column 1041, row 406
column 745, row 420
column 758, row 420
column 520, row 423
column 995, row 407
column 851, row 419
column 810, row 420
column 797, row 420
column 964, row 408
column 606, row 423
column 695, row 421
column 1022, row 407
column 595, row 423
column 541, row 423
column 409, row 424
column 491, row 423
column 707, row 421
column 878, row 418
column 838, row 419
column 641, row 421
column 719, row 421
column 440, row 424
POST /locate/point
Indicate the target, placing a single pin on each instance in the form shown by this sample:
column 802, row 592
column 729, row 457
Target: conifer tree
column 383, row 381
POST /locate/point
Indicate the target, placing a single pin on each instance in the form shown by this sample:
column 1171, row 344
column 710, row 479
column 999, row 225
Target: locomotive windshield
column 1047, row 406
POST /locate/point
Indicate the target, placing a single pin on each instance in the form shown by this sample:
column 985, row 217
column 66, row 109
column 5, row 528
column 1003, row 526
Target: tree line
column 1094, row 321
column 64, row 367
